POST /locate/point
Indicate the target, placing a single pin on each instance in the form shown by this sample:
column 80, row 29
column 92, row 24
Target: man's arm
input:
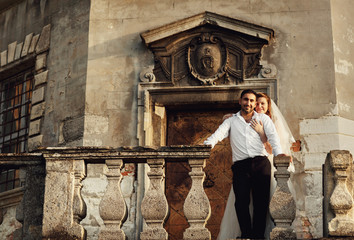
column 221, row 133
column 272, row 135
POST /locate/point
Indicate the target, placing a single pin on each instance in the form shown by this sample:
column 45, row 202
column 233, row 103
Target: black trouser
column 252, row 174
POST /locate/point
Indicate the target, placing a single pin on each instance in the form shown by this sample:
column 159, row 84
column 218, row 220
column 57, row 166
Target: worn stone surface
column 338, row 193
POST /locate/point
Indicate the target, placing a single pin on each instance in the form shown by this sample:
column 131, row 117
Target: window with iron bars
column 15, row 109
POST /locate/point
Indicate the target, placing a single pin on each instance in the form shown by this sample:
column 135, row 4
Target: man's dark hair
column 248, row 91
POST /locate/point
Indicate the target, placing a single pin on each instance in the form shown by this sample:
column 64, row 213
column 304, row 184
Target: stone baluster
column 154, row 207
column 341, row 200
column 282, row 206
column 112, row 206
column 79, row 206
column 196, row 206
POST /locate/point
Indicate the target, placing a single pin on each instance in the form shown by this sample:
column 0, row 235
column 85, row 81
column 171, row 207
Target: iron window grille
column 15, row 110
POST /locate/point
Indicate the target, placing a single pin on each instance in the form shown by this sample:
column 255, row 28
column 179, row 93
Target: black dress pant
column 252, row 175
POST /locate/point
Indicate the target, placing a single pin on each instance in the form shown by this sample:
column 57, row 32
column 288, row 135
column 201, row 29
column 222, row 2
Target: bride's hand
column 257, row 126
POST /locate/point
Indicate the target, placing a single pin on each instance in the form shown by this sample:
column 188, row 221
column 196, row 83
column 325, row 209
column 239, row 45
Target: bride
column 229, row 227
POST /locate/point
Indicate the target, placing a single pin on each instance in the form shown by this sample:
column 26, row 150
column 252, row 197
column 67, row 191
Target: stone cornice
column 207, row 18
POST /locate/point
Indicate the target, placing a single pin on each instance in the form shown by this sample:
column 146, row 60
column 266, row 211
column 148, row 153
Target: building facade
column 107, row 73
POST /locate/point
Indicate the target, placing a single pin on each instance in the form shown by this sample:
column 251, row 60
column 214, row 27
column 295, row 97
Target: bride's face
column 262, row 105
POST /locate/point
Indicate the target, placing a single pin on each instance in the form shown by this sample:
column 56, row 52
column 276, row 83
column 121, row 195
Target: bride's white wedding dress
column 229, row 228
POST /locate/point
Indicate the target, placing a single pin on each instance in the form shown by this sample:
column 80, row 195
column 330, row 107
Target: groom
column 251, row 168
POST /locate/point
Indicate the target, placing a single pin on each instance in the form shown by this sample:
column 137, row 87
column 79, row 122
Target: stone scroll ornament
column 207, row 58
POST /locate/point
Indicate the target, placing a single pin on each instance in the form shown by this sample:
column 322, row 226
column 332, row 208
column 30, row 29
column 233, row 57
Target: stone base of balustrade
column 112, row 234
column 343, row 227
column 154, row 234
column 197, row 234
column 279, row 233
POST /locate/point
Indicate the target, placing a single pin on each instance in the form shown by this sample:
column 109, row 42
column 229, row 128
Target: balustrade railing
column 64, row 207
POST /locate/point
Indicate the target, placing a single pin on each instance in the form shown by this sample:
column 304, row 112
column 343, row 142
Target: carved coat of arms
column 207, row 58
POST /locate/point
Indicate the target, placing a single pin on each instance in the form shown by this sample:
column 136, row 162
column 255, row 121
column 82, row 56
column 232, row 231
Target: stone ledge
column 11, row 198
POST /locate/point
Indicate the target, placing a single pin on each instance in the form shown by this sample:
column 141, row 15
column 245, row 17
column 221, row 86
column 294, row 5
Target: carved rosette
column 112, row 206
column 341, row 200
column 154, row 207
column 196, row 206
column 282, row 206
column 207, row 58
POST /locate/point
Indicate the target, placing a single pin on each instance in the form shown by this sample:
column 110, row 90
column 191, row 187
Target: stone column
column 112, row 205
column 196, row 206
column 341, row 200
column 63, row 206
column 154, row 206
column 282, row 206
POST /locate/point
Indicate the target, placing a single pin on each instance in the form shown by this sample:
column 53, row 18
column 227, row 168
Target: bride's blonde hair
column 269, row 110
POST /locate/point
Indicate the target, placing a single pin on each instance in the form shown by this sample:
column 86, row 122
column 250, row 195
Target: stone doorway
column 192, row 127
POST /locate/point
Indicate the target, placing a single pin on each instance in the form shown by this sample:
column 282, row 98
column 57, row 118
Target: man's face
column 248, row 102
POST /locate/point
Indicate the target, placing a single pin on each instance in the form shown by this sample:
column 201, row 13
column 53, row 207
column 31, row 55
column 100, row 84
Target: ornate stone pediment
column 207, row 49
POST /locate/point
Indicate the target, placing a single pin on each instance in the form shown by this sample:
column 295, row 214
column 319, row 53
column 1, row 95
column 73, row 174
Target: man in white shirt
column 251, row 168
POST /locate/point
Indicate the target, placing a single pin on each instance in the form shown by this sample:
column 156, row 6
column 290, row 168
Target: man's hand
column 209, row 143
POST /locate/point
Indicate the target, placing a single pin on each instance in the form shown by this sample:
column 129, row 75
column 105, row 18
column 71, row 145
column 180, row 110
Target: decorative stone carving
column 147, row 75
column 341, row 201
column 154, row 207
column 112, row 206
column 196, row 206
column 207, row 49
column 207, row 58
column 282, row 206
column 269, row 71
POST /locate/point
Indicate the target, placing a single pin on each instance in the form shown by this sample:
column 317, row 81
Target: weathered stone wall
column 343, row 45
column 67, row 61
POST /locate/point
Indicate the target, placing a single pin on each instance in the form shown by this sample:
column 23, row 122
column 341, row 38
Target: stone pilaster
column 341, row 201
column 154, row 206
column 196, row 206
column 282, row 206
column 112, row 206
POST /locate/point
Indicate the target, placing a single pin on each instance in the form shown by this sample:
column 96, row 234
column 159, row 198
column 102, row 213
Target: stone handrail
column 65, row 169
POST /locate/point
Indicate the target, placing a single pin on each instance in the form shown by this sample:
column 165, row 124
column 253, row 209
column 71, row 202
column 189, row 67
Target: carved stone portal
column 207, row 49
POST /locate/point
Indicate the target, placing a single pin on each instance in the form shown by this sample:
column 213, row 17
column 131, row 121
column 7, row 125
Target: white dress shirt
column 245, row 141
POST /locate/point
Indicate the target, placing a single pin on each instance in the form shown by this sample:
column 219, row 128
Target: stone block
column 38, row 95
column 35, row 127
column 33, row 43
column 27, row 44
column 35, row 142
column 11, row 52
column 41, row 61
column 40, row 78
column 313, row 161
column 320, row 143
column 37, row 110
column 73, row 129
column 44, row 40
column 3, row 58
column 327, row 125
column 18, row 51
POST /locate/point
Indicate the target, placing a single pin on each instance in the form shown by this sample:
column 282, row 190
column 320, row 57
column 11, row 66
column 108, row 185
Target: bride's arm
column 258, row 127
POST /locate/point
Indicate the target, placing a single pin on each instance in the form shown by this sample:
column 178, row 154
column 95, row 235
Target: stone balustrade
column 55, row 209
column 64, row 207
